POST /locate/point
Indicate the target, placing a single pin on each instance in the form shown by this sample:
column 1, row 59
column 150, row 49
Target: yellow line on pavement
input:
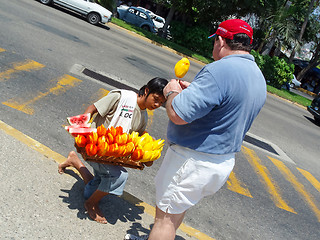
column 2, row 50
column 150, row 120
column 27, row 66
column 297, row 185
column 31, row 143
column 59, row 159
column 265, row 178
column 235, row 185
column 23, row 105
column 310, row 178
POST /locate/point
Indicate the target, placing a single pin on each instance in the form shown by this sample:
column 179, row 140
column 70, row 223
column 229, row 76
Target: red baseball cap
column 228, row 28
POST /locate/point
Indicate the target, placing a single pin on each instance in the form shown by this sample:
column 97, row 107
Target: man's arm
column 174, row 89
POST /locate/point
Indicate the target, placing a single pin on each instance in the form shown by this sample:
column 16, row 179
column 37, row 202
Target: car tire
column 292, row 85
column 46, row 2
column 145, row 27
column 93, row 18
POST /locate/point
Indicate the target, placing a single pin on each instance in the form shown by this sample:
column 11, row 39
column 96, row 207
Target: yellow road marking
column 266, row 179
column 60, row 159
column 150, row 120
column 2, row 50
column 235, row 185
column 26, row 66
column 32, row 143
column 310, row 178
column 297, row 185
column 23, row 105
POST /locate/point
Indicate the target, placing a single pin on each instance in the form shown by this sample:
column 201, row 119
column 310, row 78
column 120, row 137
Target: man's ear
column 146, row 91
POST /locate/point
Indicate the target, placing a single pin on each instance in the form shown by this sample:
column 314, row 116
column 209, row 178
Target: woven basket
column 119, row 161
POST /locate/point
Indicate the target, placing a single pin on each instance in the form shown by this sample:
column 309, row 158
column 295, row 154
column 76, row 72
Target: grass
column 184, row 51
column 289, row 96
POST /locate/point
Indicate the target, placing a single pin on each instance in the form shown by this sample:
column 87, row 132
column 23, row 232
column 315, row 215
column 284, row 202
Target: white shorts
column 186, row 176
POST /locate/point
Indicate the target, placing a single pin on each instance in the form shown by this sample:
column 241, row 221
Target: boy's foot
column 95, row 213
column 133, row 237
column 70, row 162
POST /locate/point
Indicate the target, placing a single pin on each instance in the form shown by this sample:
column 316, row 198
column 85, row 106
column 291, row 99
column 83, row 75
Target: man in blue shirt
column 208, row 121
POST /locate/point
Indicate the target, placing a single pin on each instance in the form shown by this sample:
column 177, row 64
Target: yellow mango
column 182, row 67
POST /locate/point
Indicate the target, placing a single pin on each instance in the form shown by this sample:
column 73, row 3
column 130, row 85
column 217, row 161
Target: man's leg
column 165, row 225
column 92, row 206
column 74, row 161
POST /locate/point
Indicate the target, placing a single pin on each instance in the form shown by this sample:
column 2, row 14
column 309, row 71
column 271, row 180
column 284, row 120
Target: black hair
column 155, row 85
column 240, row 41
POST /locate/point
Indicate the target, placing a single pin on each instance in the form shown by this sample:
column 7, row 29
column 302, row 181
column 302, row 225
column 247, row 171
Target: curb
column 156, row 43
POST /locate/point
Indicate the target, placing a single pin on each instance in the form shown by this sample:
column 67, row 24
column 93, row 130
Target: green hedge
column 193, row 38
column 277, row 71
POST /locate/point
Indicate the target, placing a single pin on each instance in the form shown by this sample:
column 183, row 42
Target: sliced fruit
column 79, row 119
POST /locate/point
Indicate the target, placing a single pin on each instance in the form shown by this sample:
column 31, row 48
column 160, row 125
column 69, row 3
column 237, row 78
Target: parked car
column 94, row 12
column 157, row 20
column 294, row 82
column 137, row 16
column 314, row 108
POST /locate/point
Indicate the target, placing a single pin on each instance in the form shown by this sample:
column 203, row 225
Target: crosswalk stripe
column 235, row 185
column 266, row 179
column 297, row 185
column 24, row 105
column 26, row 66
column 310, row 178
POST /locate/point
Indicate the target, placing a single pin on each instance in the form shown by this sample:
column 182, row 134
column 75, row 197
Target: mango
column 181, row 67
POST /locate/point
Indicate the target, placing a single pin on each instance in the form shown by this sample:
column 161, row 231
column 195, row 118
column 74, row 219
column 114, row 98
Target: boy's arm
column 91, row 109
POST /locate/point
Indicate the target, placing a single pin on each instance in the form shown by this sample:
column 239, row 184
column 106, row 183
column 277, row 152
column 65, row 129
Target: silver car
column 94, row 12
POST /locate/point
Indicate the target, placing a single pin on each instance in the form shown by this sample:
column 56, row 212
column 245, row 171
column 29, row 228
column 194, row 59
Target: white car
column 94, row 12
column 294, row 82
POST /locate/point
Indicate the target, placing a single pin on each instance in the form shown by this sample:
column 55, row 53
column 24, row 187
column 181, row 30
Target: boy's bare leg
column 165, row 225
column 74, row 161
column 92, row 206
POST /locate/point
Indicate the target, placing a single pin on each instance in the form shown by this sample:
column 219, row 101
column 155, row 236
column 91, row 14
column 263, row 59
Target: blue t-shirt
column 219, row 105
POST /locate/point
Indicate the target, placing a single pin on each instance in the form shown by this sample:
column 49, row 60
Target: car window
column 131, row 10
column 142, row 15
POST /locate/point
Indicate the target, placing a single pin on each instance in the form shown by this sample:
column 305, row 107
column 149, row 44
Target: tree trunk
column 303, row 28
column 313, row 63
column 168, row 21
column 270, row 44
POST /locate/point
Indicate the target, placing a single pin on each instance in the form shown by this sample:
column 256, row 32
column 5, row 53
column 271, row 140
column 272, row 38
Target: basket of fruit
column 112, row 145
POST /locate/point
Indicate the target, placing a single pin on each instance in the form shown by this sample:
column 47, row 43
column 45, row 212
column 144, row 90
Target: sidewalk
column 37, row 202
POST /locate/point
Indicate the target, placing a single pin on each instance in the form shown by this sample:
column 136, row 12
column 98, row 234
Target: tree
column 303, row 28
column 312, row 35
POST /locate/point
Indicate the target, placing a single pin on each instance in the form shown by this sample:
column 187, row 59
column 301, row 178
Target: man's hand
column 173, row 86
column 184, row 84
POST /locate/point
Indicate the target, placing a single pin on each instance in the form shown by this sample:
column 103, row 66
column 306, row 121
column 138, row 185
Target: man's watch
column 170, row 92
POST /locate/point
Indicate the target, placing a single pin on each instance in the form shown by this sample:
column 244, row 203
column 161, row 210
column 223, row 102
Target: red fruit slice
column 84, row 125
column 81, row 131
column 79, row 119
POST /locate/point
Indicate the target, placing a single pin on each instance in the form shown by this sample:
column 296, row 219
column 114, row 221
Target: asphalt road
column 42, row 83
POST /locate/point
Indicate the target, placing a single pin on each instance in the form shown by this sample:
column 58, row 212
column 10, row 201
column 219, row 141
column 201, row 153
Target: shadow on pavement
column 313, row 121
column 113, row 207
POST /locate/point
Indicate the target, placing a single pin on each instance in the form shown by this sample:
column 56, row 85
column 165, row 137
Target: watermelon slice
column 75, row 131
column 84, row 125
column 79, row 125
column 79, row 119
